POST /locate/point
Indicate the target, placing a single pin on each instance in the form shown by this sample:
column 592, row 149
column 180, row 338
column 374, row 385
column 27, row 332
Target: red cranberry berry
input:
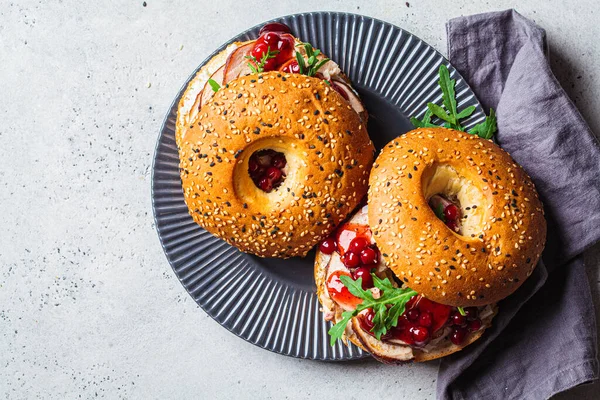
column 413, row 315
column 425, row 319
column 358, row 244
column 366, row 320
column 285, row 48
column 458, row 335
column 420, row 335
column 269, row 65
column 369, row 256
column 264, row 171
column 351, row 260
column 274, row 174
column 270, row 39
column 275, row 27
column 328, row 246
column 291, row 67
column 451, row 212
column 457, row 319
column 439, row 312
column 265, row 184
column 365, row 274
column 259, row 49
column 402, row 330
column 474, row 325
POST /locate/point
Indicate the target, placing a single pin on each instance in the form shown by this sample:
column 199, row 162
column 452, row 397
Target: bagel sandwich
column 273, row 147
column 240, row 59
column 452, row 226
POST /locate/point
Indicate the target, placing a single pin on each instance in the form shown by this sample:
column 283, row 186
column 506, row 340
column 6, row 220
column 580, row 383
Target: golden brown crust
column 430, row 258
column 328, row 152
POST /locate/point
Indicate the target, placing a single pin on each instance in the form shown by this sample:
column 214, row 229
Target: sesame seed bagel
column 503, row 227
column 384, row 351
column 326, row 145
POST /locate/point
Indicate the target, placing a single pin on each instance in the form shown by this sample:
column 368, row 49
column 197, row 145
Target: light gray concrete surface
column 89, row 306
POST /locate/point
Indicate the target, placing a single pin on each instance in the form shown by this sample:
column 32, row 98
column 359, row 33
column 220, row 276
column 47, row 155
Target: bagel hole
column 267, row 169
column 444, row 187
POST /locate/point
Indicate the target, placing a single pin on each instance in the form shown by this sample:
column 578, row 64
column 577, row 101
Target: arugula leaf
column 466, row 112
column 449, row 111
column 338, row 329
column 387, row 308
column 487, row 128
column 426, row 122
column 214, row 85
column 355, row 287
column 439, row 112
column 448, row 93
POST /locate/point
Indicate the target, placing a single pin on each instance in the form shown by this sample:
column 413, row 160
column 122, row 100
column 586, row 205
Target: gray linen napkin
column 544, row 338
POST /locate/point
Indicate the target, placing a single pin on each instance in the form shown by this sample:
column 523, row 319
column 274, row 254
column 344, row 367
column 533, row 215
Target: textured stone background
column 88, row 303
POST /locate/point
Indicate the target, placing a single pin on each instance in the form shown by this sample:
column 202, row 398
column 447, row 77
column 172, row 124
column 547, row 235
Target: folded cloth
column 543, row 340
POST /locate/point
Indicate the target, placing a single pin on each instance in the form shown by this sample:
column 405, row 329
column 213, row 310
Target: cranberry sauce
column 357, row 252
column 348, row 232
column 353, row 242
column 276, row 39
column 447, row 211
column 340, row 293
column 266, row 169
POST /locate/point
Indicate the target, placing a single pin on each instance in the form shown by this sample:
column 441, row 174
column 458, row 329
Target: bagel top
column 503, row 226
column 326, row 145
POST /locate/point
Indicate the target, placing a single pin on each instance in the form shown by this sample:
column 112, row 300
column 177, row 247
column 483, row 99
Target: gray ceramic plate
column 271, row 302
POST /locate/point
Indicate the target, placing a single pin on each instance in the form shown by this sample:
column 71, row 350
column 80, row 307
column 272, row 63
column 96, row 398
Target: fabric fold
column 502, row 55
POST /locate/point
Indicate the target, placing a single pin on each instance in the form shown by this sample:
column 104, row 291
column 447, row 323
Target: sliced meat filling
column 236, row 65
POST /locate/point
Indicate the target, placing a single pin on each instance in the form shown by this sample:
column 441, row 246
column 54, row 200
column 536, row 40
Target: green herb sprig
column 214, row 85
column 259, row 66
column 387, row 308
column 449, row 111
column 312, row 64
column 461, row 311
